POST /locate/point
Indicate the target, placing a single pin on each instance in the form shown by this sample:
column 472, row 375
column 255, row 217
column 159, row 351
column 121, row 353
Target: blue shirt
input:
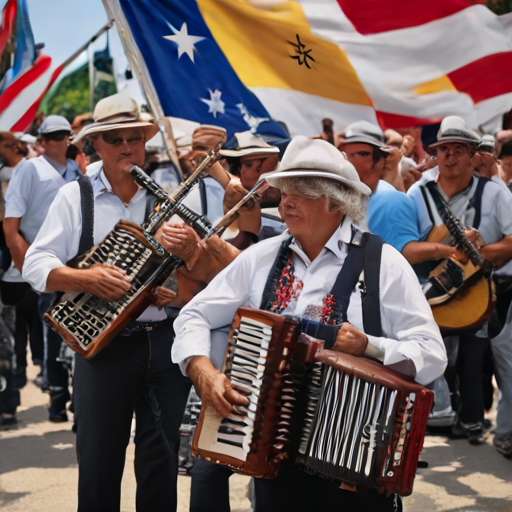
column 392, row 216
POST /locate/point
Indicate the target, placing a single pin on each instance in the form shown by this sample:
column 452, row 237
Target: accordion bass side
column 368, row 424
column 341, row 417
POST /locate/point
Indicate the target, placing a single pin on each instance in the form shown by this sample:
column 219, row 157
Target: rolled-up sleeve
column 58, row 239
column 407, row 320
column 213, row 308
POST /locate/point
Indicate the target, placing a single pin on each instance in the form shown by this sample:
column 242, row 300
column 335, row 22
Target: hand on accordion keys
column 214, row 388
column 350, row 340
column 107, row 282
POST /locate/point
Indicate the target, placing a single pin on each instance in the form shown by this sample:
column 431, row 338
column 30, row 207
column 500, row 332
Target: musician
column 485, row 206
column 33, row 187
column 134, row 372
column 321, row 197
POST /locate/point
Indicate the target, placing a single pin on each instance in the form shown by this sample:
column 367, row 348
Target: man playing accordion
column 322, row 199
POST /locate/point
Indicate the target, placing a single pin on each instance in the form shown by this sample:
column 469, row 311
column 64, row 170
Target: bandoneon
column 341, row 417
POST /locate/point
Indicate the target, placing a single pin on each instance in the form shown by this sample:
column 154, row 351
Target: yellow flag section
column 275, row 49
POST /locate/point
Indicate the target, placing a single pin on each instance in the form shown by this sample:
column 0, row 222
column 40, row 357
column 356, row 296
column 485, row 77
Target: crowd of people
column 65, row 190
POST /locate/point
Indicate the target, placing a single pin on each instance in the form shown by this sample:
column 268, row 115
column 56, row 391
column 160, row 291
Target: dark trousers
column 296, row 491
column 133, row 373
column 209, row 491
column 469, row 372
column 29, row 326
column 58, row 376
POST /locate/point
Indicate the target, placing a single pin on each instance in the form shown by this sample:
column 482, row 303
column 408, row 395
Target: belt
column 134, row 327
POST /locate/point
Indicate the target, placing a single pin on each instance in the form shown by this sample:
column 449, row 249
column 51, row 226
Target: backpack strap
column 87, row 207
column 476, row 200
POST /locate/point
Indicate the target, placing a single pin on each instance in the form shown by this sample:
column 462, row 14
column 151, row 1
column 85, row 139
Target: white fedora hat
column 246, row 143
column 317, row 159
column 116, row 112
column 455, row 129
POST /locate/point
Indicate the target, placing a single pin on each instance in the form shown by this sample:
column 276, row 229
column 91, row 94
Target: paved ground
column 38, row 471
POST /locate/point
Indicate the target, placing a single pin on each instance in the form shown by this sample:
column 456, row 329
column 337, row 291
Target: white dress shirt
column 409, row 329
column 59, row 237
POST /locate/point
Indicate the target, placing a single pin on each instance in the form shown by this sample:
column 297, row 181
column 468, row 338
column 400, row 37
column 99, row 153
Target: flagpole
column 115, row 12
column 90, row 51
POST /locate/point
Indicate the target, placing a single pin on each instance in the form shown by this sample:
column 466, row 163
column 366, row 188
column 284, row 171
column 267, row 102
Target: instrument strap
column 476, row 200
column 364, row 253
column 87, row 207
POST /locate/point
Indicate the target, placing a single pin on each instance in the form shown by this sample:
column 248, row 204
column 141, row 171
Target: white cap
column 55, row 124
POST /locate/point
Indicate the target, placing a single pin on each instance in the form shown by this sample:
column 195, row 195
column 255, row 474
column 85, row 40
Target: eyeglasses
column 360, row 154
column 118, row 141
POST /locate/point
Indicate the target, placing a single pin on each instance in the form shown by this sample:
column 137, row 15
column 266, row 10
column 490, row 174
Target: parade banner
column 242, row 63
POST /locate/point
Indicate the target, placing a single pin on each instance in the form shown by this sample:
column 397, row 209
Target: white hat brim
column 461, row 140
column 238, row 153
column 151, row 129
column 272, row 177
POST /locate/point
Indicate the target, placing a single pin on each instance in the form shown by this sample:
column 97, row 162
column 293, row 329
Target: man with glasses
column 134, row 373
column 31, row 191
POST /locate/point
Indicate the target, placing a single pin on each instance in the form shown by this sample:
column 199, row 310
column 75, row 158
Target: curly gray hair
column 341, row 198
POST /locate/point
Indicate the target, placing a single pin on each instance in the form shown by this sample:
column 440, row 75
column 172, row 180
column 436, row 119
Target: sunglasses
column 118, row 141
column 56, row 136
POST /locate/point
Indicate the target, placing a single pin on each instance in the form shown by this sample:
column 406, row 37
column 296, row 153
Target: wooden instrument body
column 72, row 317
column 397, row 436
column 286, row 408
column 264, row 457
column 467, row 306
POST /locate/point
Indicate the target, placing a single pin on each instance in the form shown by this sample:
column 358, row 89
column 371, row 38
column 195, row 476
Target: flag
column 23, row 94
column 69, row 95
column 236, row 63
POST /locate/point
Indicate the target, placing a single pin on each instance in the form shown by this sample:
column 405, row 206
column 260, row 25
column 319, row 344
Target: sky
column 65, row 25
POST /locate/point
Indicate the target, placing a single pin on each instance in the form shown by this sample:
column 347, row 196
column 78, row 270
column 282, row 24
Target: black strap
column 269, row 292
column 427, row 204
column 150, row 206
column 372, row 320
column 204, row 197
column 87, row 207
column 348, row 278
column 476, row 200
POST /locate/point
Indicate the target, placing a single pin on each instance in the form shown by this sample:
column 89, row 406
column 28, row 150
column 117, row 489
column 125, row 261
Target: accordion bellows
column 341, row 417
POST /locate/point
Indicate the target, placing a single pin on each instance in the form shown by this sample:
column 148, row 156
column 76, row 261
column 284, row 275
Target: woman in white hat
column 134, row 372
column 321, row 196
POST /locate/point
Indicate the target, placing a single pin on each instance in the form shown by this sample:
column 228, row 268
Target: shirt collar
column 61, row 169
column 101, row 185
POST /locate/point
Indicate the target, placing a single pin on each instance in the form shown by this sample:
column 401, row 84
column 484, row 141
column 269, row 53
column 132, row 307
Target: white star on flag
column 215, row 103
column 252, row 121
column 184, row 41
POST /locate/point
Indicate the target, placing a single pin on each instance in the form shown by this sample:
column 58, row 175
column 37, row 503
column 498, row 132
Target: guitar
column 460, row 292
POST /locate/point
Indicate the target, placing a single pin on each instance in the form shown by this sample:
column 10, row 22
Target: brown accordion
column 341, row 417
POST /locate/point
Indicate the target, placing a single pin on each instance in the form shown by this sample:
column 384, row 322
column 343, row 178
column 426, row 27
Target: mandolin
column 460, row 292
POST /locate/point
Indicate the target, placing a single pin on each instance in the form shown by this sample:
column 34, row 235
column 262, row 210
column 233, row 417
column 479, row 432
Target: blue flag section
column 193, row 78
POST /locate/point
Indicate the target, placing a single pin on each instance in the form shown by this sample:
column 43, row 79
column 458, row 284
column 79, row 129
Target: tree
column 500, row 6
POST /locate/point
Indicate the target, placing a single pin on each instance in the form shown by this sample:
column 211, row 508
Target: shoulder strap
column 87, row 207
column 150, row 206
column 476, row 200
column 371, row 299
column 427, row 204
column 274, row 276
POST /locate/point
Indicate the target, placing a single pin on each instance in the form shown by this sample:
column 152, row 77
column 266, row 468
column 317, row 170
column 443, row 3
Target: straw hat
column 117, row 112
column 317, row 159
column 366, row 133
